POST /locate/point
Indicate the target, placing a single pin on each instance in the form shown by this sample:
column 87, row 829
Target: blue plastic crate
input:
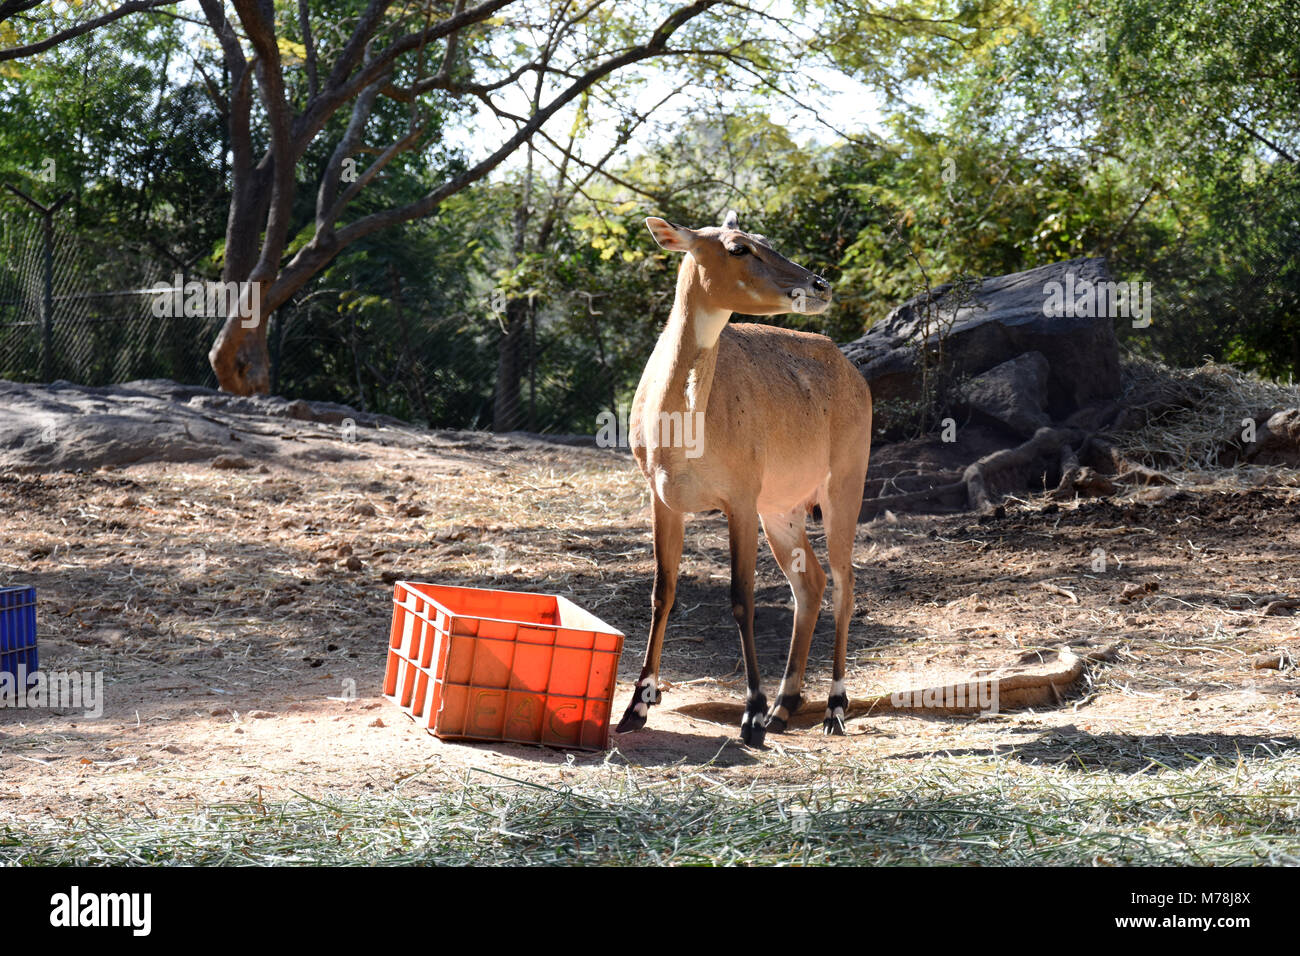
column 18, row 630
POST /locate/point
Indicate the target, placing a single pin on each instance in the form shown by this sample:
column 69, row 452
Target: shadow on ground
column 1123, row 753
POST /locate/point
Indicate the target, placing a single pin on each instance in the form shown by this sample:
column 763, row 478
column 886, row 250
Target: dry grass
column 225, row 608
column 939, row 810
column 1197, row 411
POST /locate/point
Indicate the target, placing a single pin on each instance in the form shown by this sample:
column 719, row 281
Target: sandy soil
column 228, row 609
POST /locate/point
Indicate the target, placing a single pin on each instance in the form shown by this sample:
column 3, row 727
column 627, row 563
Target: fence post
column 47, row 294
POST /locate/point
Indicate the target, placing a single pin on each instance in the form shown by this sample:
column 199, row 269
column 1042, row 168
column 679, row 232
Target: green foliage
column 399, row 323
column 1163, row 134
column 1179, row 124
column 137, row 149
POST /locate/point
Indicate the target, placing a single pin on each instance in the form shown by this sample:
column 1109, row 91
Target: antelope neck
column 692, row 333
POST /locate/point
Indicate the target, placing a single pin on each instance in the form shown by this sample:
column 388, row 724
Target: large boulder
column 1277, row 441
column 1012, row 395
column 65, row 427
column 1052, row 310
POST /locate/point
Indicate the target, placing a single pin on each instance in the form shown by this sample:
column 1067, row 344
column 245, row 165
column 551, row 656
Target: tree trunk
column 508, row 406
column 240, row 357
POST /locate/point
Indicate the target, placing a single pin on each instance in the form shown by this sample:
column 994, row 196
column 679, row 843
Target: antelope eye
column 738, row 250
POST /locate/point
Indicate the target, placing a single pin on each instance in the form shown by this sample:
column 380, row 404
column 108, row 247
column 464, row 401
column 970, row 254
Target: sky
column 853, row 106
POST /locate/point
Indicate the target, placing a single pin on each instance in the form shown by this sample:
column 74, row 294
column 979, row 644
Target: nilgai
column 762, row 424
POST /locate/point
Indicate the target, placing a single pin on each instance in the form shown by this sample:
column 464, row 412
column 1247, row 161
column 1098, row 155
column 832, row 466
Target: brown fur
column 786, row 426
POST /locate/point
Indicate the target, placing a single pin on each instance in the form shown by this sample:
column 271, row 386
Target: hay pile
column 1186, row 419
column 1169, row 426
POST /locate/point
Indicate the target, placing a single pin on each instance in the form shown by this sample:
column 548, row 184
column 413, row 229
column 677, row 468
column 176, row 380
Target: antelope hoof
column 836, row 708
column 753, row 726
column 645, row 695
column 631, row 721
column 779, row 717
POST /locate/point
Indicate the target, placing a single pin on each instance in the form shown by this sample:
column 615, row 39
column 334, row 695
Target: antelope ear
column 731, row 220
column 670, row 237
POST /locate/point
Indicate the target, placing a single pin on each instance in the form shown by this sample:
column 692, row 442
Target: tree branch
column 258, row 19
column 133, row 6
column 322, row 248
column 11, row 7
column 340, row 88
column 304, row 24
column 351, row 54
column 328, row 208
column 439, row 81
column 598, row 167
column 1261, row 138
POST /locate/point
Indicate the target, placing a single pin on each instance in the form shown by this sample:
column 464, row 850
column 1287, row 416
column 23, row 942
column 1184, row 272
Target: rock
column 271, row 406
column 1090, row 484
column 328, row 454
column 1083, row 482
column 1132, row 592
column 1277, row 441
column 922, row 463
column 1012, row 394
column 1003, row 317
column 1273, row 660
column 66, row 427
column 231, row 462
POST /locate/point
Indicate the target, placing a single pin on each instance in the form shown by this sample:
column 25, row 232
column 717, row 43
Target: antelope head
column 740, row 271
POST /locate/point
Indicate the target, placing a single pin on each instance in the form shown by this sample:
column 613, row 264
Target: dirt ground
column 228, row 609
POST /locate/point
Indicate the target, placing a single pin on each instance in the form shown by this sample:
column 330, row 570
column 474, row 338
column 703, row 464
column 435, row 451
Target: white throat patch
column 708, row 326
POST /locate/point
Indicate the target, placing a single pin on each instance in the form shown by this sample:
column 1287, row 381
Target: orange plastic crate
column 475, row 664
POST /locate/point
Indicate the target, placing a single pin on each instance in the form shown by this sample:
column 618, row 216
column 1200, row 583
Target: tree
column 346, row 102
column 557, row 53
column 383, row 55
column 64, row 24
column 1173, row 129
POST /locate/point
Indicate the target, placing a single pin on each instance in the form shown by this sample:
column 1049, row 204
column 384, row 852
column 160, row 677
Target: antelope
column 782, row 422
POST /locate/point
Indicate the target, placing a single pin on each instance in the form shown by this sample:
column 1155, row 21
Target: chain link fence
column 58, row 322
column 72, row 310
